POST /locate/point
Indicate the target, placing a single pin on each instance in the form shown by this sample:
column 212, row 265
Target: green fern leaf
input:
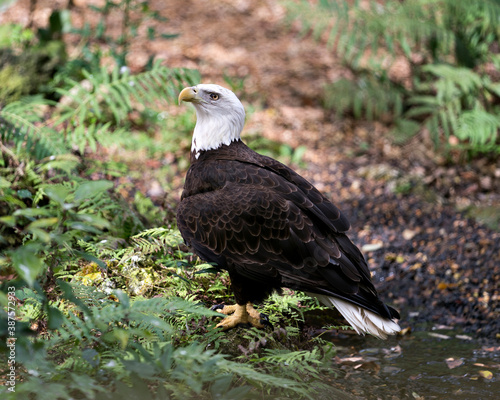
column 479, row 127
column 22, row 123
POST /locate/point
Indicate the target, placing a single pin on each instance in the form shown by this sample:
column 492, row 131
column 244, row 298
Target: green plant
column 446, row 52
column 43, row 221
column 94, row 337
column 31, row 58
column 82, row 117
column 290, row 306
column 102, row 342
column 125, row 345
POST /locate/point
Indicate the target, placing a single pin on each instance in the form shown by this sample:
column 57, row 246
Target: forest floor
column 429, row 228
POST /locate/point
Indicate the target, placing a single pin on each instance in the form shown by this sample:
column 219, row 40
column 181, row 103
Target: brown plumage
column 270, row 228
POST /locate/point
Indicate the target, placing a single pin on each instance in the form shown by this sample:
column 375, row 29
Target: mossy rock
column 30, row 71
column 13, row 86
column 89, row 275
column 139, row 280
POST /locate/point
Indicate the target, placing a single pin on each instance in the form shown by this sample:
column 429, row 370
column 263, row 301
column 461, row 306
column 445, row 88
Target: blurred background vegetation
column 108, row 299
column 415, row 65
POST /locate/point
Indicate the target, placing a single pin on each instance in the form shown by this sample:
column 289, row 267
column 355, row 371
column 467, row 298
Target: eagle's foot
column 246, row 315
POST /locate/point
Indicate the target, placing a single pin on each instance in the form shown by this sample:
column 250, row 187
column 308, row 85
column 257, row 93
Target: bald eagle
column 268, row 226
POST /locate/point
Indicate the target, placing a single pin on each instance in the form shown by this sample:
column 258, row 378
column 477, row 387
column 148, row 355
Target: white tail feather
column 362, row 320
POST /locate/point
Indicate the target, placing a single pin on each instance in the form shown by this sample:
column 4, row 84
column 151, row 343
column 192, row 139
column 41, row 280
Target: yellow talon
column 240, row 315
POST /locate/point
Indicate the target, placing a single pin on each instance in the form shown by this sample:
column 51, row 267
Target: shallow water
column 422, row 365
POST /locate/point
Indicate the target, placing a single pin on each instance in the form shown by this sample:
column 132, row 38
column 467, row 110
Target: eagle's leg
column 241, row 314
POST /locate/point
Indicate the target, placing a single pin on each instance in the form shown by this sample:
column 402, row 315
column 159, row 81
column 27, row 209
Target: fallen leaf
column 369, row 366
column 372, row 247
column 416, row 266
column 409, row 234
column 350, row 359
column 453, row 362
column 390, row 256
column 443, row 327
column 486, row 374
column 490, row 349
column 438, row 335
column 453, row 140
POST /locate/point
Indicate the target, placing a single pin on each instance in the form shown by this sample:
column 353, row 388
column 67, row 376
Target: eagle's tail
column 362, row 320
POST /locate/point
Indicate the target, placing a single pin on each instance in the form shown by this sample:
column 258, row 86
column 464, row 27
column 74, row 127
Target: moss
column 13, row 84
column 30, row 71
column 89, row 275
column 140, row 280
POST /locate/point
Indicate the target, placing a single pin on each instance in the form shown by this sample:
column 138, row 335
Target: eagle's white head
column 220, row 116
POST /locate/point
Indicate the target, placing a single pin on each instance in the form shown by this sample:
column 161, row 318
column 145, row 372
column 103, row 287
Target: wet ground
column 441, row 269
column 428, row 364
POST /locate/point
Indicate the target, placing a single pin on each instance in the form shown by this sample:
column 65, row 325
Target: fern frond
column 366, row 97
column 156, row 240
column 83, row 135
column 119, row 89
column 22, row 123
column 391, row 27
column 454, row 80
column 443, row 101
column 172, row 305
column 296, row 387
column 291, row 358
column 86, row 107
column 478, row 127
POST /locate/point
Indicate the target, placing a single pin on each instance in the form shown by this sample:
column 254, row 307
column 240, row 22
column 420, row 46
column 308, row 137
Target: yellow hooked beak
column 190, row 94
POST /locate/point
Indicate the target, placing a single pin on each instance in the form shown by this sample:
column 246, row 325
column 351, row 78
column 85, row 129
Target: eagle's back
column 240, row 164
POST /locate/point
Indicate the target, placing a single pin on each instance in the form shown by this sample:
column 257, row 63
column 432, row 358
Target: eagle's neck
column 215, row 130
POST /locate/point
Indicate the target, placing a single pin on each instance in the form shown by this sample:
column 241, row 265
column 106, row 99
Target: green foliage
column 290, row 306
column 458, row 106
column 101, row 342
column 156, row 240
column 30, row 59
column 82, row 117
column 29, row 70
column 358, row 97
column 89, row 105
column 122, row 344
column 44, row 220
column 449, row 54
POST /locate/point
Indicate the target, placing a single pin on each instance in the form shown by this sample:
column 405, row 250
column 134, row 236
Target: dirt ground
column 429, row 260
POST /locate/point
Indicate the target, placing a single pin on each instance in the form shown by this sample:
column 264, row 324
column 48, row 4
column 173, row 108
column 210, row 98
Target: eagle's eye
column 214, row 96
